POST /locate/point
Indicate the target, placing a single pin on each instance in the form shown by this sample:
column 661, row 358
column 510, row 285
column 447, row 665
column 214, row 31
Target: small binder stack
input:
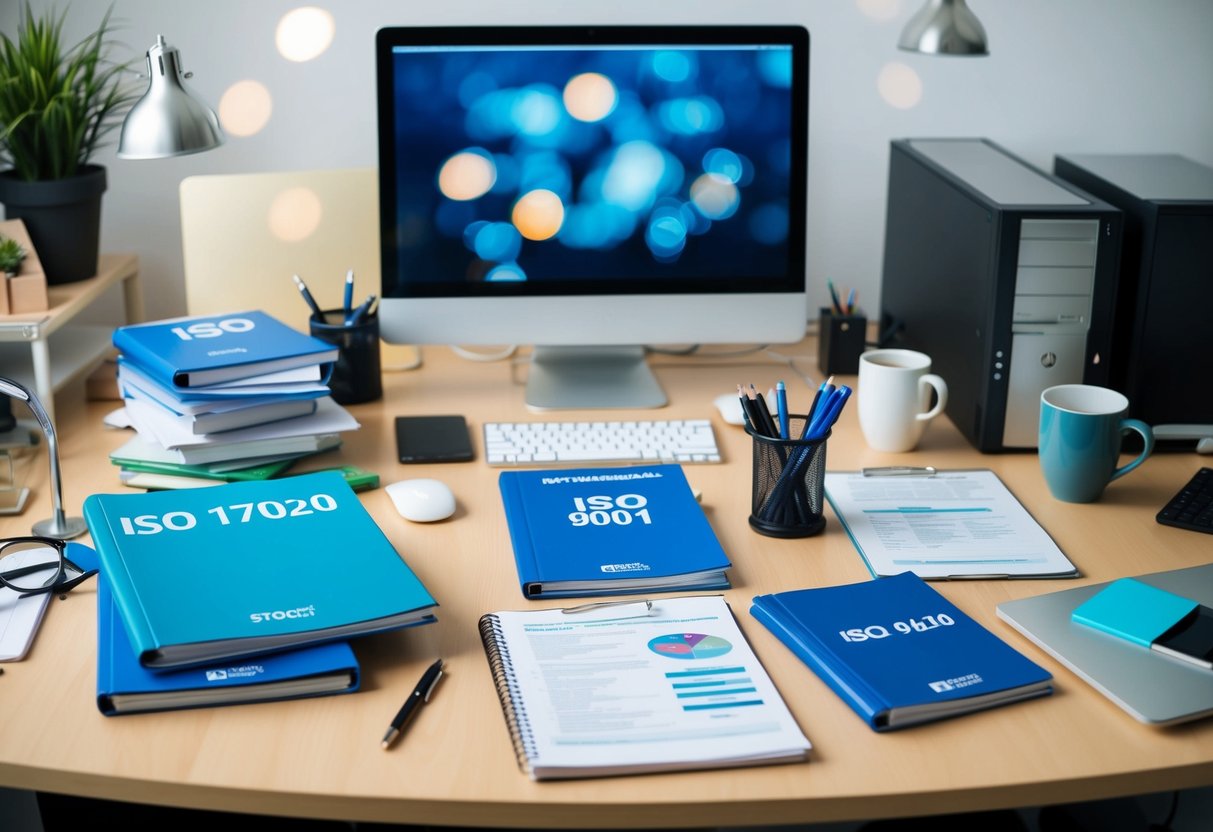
column 223, row 397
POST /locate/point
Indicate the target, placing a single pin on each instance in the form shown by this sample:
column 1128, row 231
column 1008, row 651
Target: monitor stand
column 583, row 378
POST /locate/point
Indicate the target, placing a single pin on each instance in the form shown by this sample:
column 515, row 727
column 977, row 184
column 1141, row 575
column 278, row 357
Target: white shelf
column 76, row 350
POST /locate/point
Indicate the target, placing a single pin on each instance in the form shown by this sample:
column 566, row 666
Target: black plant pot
column 63, row 217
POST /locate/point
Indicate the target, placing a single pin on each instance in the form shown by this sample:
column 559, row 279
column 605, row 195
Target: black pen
column 419, row 696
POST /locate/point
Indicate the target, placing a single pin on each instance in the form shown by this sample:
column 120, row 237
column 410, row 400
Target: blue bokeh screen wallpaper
column 612, row 167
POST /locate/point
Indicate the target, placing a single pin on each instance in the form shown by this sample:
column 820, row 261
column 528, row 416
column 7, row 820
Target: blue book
column 898, row 652
column 217, row 349
column 604, row 531
column 204, row 575
column 124, row 686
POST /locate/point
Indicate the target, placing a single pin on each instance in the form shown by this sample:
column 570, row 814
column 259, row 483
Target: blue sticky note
column 1133, row 610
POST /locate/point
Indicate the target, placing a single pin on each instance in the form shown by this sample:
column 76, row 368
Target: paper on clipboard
column 948, row 525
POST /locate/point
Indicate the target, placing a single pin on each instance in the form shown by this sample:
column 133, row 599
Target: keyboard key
column 1189, row 508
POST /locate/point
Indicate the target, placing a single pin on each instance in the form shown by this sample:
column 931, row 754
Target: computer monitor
column 590, row 190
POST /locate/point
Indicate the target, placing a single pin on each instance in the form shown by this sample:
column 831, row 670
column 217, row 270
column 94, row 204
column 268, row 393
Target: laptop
column 1151, row 687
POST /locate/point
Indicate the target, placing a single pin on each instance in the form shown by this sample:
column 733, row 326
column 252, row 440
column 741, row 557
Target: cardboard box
column 27, row 291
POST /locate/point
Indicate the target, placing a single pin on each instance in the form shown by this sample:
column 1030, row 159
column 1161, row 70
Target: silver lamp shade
column 168, row 120
column 945, row 27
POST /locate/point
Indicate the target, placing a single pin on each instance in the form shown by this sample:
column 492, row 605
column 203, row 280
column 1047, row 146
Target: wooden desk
column 322, row 758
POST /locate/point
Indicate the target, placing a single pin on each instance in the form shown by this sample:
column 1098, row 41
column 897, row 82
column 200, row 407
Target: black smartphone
column 433, row 439
column 1191, row 639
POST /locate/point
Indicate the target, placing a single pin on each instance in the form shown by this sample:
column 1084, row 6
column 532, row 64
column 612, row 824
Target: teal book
column 603, row 531
column 217, row 349
column 242, row 569
column 126, row 687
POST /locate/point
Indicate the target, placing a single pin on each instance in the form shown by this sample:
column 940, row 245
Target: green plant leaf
column 57, row 104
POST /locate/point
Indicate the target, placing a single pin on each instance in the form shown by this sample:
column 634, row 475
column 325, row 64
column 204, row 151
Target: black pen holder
column 840, row 340
column 789, row 483
column 356, row 376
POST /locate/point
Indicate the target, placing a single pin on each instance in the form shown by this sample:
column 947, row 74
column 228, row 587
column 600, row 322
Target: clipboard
column 942, row 525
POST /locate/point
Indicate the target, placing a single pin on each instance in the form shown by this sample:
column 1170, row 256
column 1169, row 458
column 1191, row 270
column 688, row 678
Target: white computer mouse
column 422, row 500
column 729, row 406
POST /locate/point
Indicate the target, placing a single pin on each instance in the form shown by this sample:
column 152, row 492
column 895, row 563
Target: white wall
column 1072, row 76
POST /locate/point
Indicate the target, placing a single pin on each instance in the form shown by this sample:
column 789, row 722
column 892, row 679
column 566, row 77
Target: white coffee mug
column 895, row 398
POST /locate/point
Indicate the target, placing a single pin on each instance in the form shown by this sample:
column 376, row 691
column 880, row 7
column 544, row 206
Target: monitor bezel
column 796, row 37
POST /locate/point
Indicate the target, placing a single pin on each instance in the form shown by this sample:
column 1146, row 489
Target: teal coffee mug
column 1081, row 428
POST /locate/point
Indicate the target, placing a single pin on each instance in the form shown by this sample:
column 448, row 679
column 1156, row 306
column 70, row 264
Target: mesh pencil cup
column 356, row 376
column 789, row 483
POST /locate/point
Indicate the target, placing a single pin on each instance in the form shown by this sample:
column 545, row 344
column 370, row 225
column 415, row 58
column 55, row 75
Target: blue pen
column 361, row 311
column 830, row 413
column 307, row 297
column 781, row 406
column 347, row 303
column 851, row 302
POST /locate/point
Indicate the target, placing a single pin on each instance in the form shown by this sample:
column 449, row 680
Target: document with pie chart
column 631, row 687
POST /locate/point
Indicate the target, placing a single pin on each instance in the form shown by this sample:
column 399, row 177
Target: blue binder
column 214, row 349
column 124, row 686
column 605, row 531
column 898, row 652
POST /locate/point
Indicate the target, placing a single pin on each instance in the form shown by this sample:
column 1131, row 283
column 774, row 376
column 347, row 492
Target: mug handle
column 1146, row 434
column 941, row 393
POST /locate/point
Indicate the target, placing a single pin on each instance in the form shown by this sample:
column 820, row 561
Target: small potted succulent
column 11, row 255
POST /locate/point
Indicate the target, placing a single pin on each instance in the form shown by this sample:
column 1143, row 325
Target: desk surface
column 321, row 757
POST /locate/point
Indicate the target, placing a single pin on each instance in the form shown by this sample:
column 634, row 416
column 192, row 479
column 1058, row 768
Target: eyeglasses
column 32, row 565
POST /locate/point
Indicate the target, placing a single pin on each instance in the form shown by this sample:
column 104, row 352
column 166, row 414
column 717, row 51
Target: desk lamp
column 945, row 27
column 168, row 120
column 60, row 526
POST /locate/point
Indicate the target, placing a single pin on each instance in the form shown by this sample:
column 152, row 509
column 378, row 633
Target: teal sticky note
column 1132, row 610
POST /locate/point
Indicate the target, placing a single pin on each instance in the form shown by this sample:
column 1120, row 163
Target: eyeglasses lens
column 29, row 565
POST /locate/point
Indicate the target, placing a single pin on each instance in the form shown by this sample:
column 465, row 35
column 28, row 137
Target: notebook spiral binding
column 502, row 668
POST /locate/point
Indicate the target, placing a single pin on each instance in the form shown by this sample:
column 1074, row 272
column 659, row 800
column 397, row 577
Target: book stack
column 224, row 397
column 247, row 593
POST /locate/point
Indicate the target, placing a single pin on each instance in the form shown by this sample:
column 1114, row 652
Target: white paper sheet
column 954, row 524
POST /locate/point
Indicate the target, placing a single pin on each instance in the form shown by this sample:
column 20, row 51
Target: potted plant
column 57, row 106
column 11, row 255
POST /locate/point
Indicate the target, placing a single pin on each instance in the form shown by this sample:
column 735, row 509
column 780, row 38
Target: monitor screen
column 592, row 185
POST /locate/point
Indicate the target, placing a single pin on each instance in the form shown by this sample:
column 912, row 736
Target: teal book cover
column 214, row 349
column 601, row 531
column 247, row 568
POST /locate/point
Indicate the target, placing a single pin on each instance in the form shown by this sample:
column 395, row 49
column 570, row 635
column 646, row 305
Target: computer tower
column 1160, row 356
column 1004, row 274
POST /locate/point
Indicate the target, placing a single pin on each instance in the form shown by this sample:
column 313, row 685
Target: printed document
column 952, row 524
column 622, row 689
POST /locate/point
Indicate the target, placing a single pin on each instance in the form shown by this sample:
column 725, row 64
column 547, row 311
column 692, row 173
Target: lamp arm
column 59, row 524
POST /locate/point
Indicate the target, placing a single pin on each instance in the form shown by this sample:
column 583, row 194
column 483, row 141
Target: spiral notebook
column 635, row 687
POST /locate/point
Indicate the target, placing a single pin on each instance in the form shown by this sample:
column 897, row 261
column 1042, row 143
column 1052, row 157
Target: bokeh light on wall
column 590, row 96
column 304, row 33
column 538, row 214
column 245, row 108
column 469, row 174
column 295, row 214
column 899, row 86
column 879, row 9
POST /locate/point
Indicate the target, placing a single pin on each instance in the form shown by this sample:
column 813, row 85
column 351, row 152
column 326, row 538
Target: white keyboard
column 549, row 443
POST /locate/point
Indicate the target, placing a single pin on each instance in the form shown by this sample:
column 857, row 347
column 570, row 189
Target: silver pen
column 900, row 471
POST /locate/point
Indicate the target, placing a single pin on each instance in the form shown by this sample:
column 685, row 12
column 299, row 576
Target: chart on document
column 950, row 524
column 616, row 690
